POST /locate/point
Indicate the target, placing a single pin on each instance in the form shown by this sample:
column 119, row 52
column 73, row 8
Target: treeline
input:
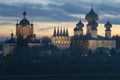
column 56, row 61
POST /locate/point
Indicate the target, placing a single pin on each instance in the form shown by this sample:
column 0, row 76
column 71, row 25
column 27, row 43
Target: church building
column 61, row 38
column 91, row 38
column 24, row 37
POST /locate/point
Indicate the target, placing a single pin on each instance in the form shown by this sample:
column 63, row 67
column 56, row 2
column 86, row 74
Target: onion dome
column 75, row 29
column 80, row 24
column 24, row 21
column 94, row 25
column 108, row 25
column 91, row 16
column 24, row 13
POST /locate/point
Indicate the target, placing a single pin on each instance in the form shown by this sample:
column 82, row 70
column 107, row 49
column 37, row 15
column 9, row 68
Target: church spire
column 58, row 32
column 54, row 34
column 61, row 32
column 64, row 32
column 67, row 32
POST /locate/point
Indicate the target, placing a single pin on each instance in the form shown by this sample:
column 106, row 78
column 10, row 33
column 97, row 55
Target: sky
column 46, row 14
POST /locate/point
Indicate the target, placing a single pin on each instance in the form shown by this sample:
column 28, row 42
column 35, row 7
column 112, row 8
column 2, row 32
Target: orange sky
column 46, row 28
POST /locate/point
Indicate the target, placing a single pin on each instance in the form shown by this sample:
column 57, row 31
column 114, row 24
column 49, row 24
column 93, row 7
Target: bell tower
column 78, row 30
column 92, row 25
column 108, row 27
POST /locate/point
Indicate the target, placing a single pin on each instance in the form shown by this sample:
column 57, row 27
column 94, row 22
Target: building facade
column 91, row 37
column 24, row 37
column 61, row 38
column 25, row 29
column 79, row 42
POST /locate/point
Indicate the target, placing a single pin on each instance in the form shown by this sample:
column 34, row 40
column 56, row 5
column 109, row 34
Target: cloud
column 59, row 10
column 44, row 29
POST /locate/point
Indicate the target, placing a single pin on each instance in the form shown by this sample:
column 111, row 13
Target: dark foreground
column 63, row 77
column 60, row 68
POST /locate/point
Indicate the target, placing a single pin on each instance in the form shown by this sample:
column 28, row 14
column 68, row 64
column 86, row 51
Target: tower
column 108, row 27
column 92, row 25
column 78, row 29
column 24, row 28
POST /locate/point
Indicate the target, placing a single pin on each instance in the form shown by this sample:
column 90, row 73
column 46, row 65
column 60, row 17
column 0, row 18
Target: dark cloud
column 59, row 12
column 37, row 11
column 6, row 23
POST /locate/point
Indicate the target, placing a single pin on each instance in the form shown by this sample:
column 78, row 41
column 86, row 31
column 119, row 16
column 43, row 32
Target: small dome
column 91, row 16
column 75, row 29
column 80, row 24
column 24, row 13
column 24, row 22
column 108, row 25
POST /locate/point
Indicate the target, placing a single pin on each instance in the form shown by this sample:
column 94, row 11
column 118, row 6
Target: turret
column 24, row 15
column 108, row 27
column 78, row 29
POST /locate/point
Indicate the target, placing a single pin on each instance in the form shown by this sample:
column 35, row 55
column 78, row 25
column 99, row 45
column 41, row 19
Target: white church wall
column 77, row 33
column 94, row 33
column 108, row 34
column 94, row 44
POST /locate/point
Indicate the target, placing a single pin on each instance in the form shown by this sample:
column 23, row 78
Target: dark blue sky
column 48, row 13
column 60, row 10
